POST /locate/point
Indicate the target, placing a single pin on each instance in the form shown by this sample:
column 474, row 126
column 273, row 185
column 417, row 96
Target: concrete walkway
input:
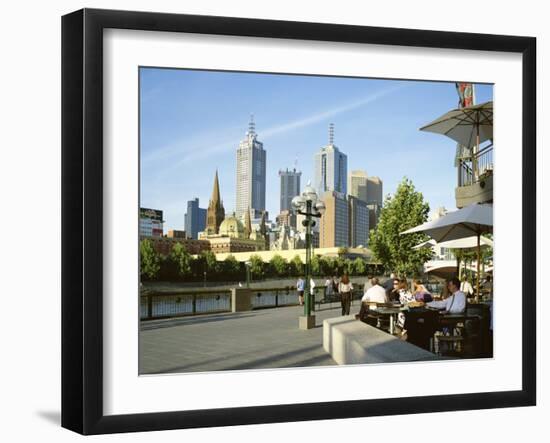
column 267, row 338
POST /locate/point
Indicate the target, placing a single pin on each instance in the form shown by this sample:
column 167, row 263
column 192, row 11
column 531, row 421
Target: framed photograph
column 255, row 210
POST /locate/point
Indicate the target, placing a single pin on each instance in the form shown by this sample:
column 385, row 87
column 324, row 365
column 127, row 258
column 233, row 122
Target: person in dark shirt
column 388, row 285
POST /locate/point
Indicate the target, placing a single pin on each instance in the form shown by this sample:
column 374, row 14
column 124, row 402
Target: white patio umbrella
column 426, row 244
column 462, row 243
column 468, row 126
column 466, row 243
column 472, row 220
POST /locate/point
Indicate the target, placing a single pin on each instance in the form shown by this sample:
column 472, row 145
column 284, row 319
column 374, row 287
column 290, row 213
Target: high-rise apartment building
column 358, row 222
column 251, row 173
column 195, row 219
column 334, row 224
column 331, row 168
column 290, row 187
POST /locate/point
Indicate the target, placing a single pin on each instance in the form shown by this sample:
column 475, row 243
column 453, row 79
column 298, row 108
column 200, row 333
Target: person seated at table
column 405, row 296
column 376, row 294
column 388, row 285
column 393, row 294
column 420, row 292
column 455, row 303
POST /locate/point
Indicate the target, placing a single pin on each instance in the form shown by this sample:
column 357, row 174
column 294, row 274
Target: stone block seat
column 350, row 341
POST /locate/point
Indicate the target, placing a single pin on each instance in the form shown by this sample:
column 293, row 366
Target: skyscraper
column 357, row 184
column 290, row 187
column 195, row 219
column 216, row 212
column 374, row 190
column 331, row 167
column 334, row 224
column 358, row 222
column 251, row 172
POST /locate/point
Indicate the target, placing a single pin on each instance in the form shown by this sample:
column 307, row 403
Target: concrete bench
column 350, row 341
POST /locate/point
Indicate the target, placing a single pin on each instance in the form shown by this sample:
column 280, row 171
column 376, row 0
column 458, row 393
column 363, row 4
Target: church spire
column 216, row 212
column 216, row 190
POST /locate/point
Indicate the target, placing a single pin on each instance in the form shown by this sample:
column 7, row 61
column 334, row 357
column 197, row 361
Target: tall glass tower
column 331, row 167
column 251, row 171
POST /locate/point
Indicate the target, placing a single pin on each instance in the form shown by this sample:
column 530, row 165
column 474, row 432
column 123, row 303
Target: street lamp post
column 307, row 204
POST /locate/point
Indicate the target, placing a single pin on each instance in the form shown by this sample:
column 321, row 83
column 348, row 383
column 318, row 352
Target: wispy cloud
column 189, row 150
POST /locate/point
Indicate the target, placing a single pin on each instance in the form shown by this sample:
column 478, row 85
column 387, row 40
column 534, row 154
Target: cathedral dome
column 232, row 227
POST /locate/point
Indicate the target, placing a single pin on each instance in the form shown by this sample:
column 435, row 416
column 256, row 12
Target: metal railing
column 473, row 169
column 185, row 303
column 182, row 303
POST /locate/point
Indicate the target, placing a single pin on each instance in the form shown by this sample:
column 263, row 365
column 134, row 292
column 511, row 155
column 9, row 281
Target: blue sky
column 191, row 123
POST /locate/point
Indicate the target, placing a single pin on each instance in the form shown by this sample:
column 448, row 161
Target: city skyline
column 181, row 149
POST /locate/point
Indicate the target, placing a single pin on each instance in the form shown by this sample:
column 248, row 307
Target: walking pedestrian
column 344, row 288
column 300, row 287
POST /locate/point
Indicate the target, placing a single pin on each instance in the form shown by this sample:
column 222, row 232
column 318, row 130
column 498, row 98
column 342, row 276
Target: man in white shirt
column 456, row 302
column 375, row 293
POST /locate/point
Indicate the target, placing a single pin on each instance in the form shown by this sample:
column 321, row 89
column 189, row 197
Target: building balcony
column 475, row 178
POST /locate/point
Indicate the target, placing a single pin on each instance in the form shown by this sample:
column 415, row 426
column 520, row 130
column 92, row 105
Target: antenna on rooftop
column 251, row 125
column 331, row 134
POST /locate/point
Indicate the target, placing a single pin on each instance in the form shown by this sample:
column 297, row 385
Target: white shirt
column 375, row 294
column 343, row 287
column 466, row 287
column 455, row 304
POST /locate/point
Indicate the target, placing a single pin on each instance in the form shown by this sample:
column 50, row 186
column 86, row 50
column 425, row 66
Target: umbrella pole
column 478, row 260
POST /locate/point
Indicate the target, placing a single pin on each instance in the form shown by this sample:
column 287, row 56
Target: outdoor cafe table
column 391, row 312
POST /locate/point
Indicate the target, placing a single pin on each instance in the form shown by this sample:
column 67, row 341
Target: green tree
column 278, row 265
column 405, row 210
column 182, row 259
column 339, row 264
column 359, row 267
column 149, row 263
column 256, row 266
column 210, row 261
column 315, row 265
column 297, row 267
column 348, row 266
column 231, row 267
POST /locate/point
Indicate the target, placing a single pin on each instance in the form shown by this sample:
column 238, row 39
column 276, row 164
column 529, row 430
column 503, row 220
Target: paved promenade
column 267, row 338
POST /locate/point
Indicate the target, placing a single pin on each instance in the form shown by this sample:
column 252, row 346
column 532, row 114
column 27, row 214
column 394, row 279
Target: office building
column 290, row 187
column 334, row 224
column 374, row 190
column 357, row 184
column 195, row 219
column 331, row 168
column 150, row 222
column 374, row 214
column 251, row 173
column 358, row 222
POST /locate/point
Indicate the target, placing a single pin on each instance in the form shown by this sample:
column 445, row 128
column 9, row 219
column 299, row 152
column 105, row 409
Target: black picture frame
column 82, row 232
